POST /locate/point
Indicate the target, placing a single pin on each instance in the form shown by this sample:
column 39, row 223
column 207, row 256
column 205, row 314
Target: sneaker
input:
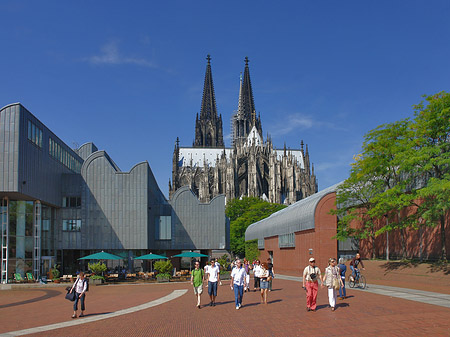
column 81, row 315
column 237, row 308
column 240, row 305
column 308, row 309
column 74, row 316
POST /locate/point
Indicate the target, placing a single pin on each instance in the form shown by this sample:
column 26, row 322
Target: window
column 46, row 225
column 72, row 225
column 163, row 227
column 73, row 202
column 260, row 243
column 286, row 240
column 63, row 156
column 34, row 134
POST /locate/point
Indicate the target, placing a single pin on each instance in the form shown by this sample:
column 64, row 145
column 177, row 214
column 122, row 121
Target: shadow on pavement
column 96, row 314
column 49, row 294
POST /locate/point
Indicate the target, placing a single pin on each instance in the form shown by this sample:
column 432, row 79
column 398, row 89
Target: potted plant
column 164, row 269
column 54, row 272
column 97, row 270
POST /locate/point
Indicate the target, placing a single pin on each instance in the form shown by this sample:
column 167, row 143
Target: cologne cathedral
column 250, row 167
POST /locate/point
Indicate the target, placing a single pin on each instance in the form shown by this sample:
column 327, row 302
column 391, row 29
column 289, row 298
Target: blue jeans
column 238, row 294
column 212, row 288
column 75, row 304
column 353, row 271
column 342, row 291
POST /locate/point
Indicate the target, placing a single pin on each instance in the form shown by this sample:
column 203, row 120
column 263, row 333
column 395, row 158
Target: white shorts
column 198, row 290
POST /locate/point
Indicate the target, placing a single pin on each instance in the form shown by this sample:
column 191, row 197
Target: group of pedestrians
column 333, row 278
column 240, row 279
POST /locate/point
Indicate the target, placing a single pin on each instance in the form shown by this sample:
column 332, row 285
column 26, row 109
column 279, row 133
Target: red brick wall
column 427, row 237
column 318, row 239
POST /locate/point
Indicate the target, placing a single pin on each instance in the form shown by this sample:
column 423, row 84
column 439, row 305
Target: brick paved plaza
column 362, row 314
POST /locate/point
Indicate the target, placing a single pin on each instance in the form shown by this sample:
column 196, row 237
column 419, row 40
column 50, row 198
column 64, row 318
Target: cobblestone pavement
column 361, row 314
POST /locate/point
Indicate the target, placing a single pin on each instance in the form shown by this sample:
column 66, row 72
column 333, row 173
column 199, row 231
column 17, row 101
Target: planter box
column 95, row 281
column 226, row 276
column 162, row 279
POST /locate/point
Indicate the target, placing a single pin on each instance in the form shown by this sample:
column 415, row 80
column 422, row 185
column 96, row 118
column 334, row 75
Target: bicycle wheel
column 362, row 282
column 351, row 283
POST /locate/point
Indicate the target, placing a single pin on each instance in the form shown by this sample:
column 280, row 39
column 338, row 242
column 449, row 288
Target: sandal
column 81, row 315
column 74, row 316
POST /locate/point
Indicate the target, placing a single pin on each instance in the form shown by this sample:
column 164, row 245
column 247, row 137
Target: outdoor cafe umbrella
column 101, row 256
column 191, row 255
column 151, row 257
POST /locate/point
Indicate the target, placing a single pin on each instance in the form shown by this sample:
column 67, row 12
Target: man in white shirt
column 237, row 282
column 213, row 279
column 256, row 276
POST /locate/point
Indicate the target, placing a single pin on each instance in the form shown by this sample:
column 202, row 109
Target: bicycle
column 359, row 281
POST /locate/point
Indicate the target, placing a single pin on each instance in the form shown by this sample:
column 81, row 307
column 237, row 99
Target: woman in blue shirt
column 342, row 269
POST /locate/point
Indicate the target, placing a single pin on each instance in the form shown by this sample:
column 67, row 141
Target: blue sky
column 128, row 76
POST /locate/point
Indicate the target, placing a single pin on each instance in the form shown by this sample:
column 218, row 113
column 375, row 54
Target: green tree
column 429, row 162
column 242, row 213
column 251, row 250
column 374, row 171
column 403, row 164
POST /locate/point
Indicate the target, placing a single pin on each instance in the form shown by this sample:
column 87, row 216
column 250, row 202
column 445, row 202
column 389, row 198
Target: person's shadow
column 97, row 314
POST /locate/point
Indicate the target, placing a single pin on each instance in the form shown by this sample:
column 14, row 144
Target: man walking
column 238, row 275
column 256, row 275
column 197, row 276
column 311, row 275
column 213, row 279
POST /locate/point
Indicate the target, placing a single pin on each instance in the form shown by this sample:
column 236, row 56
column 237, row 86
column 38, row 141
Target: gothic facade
column 251, row 166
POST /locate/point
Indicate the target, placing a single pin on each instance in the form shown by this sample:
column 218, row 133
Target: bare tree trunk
column 373, row 246
column 443, row 248
column 402, row 232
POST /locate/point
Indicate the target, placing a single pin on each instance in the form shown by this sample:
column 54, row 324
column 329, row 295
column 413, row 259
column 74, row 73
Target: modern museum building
column 59, row 204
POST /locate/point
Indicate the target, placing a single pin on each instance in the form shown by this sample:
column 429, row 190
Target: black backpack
column 87, row 283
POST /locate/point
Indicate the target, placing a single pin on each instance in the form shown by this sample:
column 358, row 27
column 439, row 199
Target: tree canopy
column 242, row 213
column 402, row 164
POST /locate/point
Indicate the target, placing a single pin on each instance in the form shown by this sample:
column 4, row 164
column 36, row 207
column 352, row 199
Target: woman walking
column 80, row 288
column 342, row 270
column 332, row 280
column 264, row 283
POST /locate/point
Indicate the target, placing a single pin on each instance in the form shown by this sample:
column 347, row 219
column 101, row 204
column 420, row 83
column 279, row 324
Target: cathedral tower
column 208, row 128
column 245, row 119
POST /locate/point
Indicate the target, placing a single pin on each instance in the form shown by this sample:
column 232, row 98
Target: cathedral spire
column 245, row 118
column 246, row 95
column 208, row 109
column 208, row 128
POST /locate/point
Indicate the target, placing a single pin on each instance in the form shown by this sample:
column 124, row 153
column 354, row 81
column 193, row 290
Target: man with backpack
column 197, row 276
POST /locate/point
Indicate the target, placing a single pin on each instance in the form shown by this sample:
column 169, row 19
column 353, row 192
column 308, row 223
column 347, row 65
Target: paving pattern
column 363, row 313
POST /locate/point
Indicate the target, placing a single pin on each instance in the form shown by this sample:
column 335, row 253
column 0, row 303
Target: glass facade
column 21, row 239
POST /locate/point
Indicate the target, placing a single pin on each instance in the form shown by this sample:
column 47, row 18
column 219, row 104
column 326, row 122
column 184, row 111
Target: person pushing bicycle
column 354, row 265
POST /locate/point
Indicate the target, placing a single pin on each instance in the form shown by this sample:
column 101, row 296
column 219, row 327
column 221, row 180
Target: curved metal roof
column 297, row 217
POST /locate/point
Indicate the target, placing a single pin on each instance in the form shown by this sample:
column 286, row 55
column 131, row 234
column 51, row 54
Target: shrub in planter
column 164, row 268
column 97, row 269
column 55, row 273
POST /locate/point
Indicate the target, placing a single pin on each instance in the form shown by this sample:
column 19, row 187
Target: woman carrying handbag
column 333, row 281
column 80, row 287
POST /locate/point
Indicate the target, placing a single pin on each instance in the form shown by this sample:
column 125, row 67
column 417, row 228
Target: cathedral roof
column 208, row 109
column 196, row 156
